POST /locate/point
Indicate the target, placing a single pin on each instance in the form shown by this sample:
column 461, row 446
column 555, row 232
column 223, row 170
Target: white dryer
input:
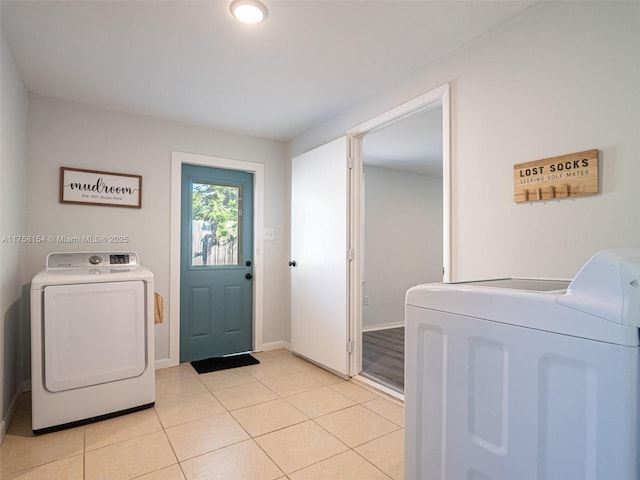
column 92, row 339
column 526, row 379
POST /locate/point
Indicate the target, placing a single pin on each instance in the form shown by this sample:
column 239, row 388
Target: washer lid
column 608, row 286
column 529, row 284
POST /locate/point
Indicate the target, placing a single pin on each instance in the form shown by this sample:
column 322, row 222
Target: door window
column 216, row 224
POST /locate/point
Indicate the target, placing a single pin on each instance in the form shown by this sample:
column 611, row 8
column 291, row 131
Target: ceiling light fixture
column 248, row 11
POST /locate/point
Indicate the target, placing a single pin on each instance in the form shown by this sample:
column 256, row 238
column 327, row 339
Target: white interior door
column 319, row 246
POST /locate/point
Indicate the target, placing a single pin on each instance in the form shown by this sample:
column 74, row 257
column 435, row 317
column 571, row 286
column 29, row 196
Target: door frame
column 438, row 97
column 177, row 160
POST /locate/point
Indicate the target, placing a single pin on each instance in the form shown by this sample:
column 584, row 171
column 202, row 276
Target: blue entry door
column 216, row 264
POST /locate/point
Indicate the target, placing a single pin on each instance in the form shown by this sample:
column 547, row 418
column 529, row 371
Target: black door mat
column 223, row 363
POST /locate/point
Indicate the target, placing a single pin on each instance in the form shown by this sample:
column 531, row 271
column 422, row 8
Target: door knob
column 248, row 276
column 292, row 263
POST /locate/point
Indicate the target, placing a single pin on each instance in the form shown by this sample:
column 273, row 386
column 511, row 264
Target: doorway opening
column 400, row 227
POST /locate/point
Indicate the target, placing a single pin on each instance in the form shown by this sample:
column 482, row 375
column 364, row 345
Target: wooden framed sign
column 571, row 175
column 92, row 187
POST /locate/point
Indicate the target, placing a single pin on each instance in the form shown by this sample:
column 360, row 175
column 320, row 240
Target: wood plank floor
column 383, row 357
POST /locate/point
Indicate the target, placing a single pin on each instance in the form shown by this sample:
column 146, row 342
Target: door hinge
column 350, row 163
column 351, row 254
column 350, row 346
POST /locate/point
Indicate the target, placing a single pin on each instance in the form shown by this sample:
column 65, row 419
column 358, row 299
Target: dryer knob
column 95, row 260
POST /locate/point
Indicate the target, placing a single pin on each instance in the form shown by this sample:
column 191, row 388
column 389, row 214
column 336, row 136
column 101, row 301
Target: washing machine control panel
column 92, row 259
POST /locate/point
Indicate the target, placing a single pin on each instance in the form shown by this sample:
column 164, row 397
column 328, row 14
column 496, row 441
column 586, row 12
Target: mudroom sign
column 93, row 187
column 571, row 175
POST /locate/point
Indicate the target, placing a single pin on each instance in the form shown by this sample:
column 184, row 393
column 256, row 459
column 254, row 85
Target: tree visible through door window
column 215, row 237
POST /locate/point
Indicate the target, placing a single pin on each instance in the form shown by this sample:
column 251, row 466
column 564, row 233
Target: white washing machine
column 92, row 339
column 525, row 379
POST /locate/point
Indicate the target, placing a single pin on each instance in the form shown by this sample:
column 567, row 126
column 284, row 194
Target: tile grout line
column 84, row 454
column 308, row 418
column 348, row 448
column 173, row 450
column 251, row 437
column 286, row 397
column 229, row 412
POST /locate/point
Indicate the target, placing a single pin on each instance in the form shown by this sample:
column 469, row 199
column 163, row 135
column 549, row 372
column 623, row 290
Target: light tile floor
column 282, row 419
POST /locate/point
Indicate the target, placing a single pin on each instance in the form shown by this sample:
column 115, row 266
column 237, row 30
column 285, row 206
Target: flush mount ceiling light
column 248, row 11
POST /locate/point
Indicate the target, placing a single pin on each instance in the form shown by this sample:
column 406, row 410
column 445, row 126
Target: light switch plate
column 269, row 234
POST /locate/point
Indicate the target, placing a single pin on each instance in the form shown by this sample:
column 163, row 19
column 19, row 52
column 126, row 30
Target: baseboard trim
column 166, row 362
column 162, row 363
column 3, row 430
column 6, row 421
column 280, row 344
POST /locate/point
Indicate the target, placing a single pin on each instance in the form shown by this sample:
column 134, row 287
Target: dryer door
column 93, row 333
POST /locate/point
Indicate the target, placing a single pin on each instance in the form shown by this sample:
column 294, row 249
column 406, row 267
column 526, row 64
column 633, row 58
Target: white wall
column 67, row 134
column 559, row 78
column 13, row 154
column 403, row 240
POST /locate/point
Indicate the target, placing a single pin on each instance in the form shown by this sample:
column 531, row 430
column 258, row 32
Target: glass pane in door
column 215, row 220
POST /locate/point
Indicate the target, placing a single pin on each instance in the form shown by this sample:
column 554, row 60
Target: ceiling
column 191, row 61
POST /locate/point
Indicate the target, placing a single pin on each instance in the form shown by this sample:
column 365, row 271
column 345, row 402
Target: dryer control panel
column 91, row 259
